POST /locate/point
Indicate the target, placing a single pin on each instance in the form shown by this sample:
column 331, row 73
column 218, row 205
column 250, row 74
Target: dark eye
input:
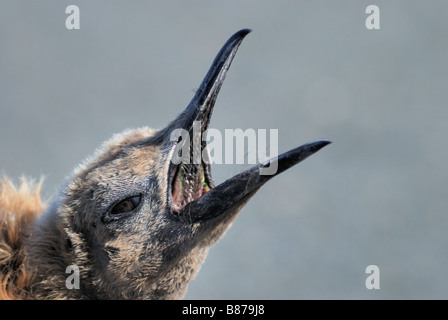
column 127, row 205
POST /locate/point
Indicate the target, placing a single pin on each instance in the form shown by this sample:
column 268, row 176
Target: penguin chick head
column 140, row 215
column 121, row 228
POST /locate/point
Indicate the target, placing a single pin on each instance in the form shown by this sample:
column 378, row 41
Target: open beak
column 192, row 194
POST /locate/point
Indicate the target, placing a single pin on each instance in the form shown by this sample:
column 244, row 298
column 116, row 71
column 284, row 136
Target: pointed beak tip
column 322, row 143
column 244, row 32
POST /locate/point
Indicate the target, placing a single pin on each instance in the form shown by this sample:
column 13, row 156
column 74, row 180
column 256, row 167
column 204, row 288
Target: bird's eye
column 127, row 205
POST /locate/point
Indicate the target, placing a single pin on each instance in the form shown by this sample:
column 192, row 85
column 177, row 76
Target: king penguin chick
column 135, row 223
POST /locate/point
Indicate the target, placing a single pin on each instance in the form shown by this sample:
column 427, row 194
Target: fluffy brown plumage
column 19, row 208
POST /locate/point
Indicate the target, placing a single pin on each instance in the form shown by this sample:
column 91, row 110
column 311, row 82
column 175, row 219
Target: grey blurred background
column 311, row 69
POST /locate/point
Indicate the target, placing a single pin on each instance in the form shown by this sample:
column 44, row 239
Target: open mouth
column 189, row 183
column 190, row 180
column 191, row 192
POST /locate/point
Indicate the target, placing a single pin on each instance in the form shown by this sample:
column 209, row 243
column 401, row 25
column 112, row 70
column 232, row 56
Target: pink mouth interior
column 188, row 188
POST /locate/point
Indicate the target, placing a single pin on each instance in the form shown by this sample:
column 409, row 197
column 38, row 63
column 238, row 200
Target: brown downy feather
column 19, row 207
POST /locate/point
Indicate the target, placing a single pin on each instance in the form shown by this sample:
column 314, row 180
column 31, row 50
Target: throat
column 189, row 184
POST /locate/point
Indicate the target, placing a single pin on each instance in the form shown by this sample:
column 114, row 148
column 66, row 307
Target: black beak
column 191, row 193
column 236, row 190
column 201, row 106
